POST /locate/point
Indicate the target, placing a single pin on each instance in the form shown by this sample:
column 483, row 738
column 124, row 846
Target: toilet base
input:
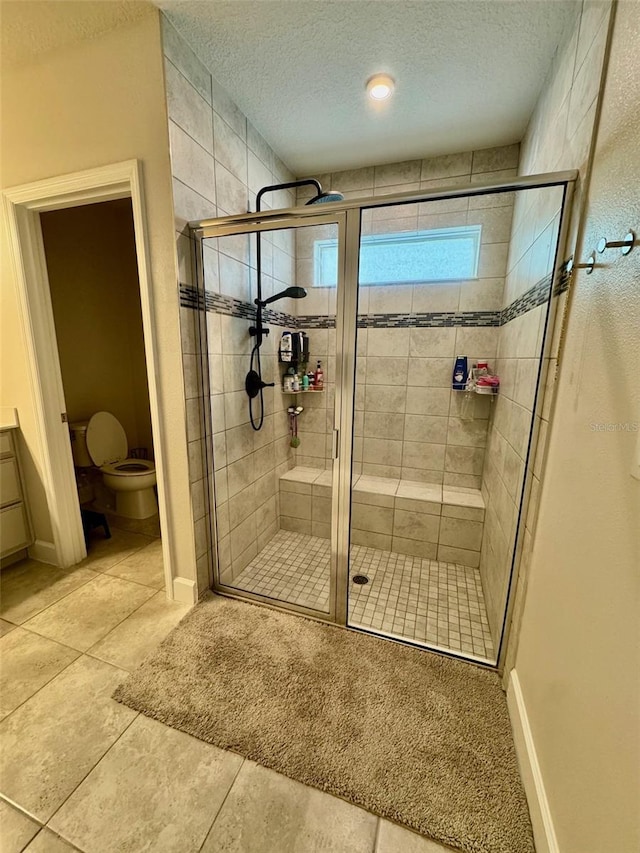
column 141, row 503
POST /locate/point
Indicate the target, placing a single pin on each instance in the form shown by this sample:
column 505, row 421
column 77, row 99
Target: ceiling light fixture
column 380, row 87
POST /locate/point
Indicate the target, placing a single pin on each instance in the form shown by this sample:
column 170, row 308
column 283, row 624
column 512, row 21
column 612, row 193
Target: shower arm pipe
column 287, row 186
column 259, row 332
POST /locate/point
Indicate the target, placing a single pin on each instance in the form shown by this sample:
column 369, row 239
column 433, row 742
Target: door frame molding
column 23, row 205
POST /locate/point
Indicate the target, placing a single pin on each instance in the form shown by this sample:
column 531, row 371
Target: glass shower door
column 439, row 465
column 273, row 373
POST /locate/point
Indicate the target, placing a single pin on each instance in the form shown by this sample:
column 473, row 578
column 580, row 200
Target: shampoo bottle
column 460, row 373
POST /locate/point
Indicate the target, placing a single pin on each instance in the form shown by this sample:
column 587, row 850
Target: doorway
column 23, row 206
column 390, row 498
column 95, row 296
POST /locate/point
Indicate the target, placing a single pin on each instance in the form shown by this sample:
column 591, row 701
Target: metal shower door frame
column 347, row 214
column 346, row 315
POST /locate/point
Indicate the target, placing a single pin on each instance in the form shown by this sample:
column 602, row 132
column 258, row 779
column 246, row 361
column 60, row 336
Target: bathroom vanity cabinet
column 15, row 531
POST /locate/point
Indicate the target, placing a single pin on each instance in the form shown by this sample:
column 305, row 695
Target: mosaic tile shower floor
column 438, row 604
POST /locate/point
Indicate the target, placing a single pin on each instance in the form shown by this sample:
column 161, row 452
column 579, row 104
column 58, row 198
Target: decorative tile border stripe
column 228, row 305
column 535, row 296
column 438, row 319
column 562, row 280
column 532, row 298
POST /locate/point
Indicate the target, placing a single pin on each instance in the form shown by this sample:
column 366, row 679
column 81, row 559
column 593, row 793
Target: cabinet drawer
column 13, row 530
column 10, row 492
column 6, row 445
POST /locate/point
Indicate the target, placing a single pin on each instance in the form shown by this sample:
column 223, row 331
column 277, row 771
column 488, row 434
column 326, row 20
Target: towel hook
column 626, row 244
column 589, row 266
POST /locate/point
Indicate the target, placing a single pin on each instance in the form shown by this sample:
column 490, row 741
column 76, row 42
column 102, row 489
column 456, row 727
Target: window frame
column 327, row 264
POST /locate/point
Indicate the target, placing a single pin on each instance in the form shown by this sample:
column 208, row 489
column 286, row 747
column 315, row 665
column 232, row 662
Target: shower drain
column 360, row 579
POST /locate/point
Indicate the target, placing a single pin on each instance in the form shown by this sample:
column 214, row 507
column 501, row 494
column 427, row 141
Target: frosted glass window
column 409, row 257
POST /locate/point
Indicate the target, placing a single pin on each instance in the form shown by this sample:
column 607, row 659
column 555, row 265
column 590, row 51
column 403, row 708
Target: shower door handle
column 334, row 443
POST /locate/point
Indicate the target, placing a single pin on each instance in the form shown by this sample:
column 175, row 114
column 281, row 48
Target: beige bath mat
column 419, row 739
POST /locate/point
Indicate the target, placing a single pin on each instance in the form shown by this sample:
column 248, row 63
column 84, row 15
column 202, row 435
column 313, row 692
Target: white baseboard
column 543, row 831
column 185, row 591
column 43, row 552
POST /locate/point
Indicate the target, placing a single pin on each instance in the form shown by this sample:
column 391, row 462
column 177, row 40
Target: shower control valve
column 253, row 384
column 253, row 331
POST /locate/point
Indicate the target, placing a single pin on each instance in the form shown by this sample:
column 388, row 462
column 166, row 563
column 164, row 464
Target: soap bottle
column 460, row 373
column 319, row 377
column 305, row 382
column 296, row 382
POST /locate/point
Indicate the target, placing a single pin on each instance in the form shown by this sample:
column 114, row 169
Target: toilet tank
column 81, row 458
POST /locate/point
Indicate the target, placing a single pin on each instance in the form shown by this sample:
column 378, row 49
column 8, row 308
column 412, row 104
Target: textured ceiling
column 30, row 28
column 468, row 72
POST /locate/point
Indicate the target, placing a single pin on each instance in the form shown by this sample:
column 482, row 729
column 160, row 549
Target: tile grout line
column 88, row 773
column 217, row 814
column 87, row 652
column 376, row 837
column 70, row 571
column 53, row 677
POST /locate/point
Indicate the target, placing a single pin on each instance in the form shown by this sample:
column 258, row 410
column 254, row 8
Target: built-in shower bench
column 440, row 522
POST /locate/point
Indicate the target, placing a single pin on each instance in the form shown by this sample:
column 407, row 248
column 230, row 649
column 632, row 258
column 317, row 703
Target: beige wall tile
column 425, row 428
column 377, row 519
column 429, row 401
column 461, row 533
column 466, row 512
column 431, row 342
column 418, row 454
column 416, row 525
column 446, row 166
column 383, row 425
column 446, row 554
column 397, row 173
column 494, row 159
column 297, row 525
column 414, row 547
column 191, row 164
column 295, row 505
column 178, row 51
column 187, row 108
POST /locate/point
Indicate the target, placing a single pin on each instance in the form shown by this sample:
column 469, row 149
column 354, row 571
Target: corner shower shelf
column 304, row 391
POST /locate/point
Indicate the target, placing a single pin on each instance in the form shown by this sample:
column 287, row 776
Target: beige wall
column 95, row 293
column 578, row 655
column 559, row 137
column 97, row 102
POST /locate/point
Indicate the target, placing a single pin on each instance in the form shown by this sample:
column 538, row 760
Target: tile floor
column 80, row 772
column 438, row 604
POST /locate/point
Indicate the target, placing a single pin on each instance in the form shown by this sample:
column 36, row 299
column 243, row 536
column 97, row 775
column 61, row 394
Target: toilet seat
column 129, row 468
column 106, row 439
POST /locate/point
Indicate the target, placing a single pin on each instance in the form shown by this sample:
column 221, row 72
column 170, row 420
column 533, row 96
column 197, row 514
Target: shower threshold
column 426, row 602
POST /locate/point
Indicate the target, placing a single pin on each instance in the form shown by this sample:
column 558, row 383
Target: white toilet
column 102, row 441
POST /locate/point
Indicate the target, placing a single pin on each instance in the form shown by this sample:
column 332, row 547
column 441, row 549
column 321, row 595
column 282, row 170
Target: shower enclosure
column 398, row 506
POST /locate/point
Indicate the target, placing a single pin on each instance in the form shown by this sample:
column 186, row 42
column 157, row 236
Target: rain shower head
column 323, row 197
column 290, row 293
